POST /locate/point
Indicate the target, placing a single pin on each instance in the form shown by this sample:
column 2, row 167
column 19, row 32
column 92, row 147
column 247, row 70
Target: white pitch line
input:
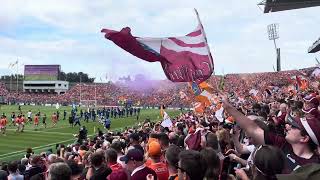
column 49, row 128
column 42, row 132
column 34, row 148
column 39, row 147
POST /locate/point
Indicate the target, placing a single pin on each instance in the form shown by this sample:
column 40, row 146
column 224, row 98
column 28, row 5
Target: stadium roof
column 315, row 47
column 282, row 5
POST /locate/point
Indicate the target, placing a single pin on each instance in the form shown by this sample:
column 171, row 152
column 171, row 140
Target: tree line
column 70, row 77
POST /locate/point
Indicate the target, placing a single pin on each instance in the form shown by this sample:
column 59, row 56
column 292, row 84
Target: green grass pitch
column 14, row 144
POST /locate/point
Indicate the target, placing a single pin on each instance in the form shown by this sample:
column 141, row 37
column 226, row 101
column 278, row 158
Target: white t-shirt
column 251, row 149
column 29, row 114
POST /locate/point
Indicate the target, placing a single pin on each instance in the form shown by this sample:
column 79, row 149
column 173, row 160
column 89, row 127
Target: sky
column 68, row 33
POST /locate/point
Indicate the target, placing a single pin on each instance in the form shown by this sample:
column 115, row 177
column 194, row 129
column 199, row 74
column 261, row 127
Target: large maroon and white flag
column 183, row 59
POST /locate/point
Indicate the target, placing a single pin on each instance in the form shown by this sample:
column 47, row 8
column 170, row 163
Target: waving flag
column 183, row 59
column 203, row 97
column 205, row 86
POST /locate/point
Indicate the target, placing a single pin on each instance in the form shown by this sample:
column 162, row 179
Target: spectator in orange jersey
column 154, row 152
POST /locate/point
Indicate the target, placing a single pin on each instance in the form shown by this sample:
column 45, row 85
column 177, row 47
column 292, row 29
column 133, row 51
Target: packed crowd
column 3, row 89
column 273, row 137
column 110, row 93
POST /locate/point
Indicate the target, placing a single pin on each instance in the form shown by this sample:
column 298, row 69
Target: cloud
column 68, row 33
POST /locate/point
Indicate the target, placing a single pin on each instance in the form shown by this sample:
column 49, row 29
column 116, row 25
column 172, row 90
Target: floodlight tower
column 273, row 35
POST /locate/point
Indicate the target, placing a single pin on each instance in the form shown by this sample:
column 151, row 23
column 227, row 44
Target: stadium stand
column 195, row 146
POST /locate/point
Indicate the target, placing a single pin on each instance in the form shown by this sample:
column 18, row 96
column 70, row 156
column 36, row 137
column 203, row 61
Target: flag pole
column 17, row 75
column 205, row 38
column 10, row 66
column 80, row 90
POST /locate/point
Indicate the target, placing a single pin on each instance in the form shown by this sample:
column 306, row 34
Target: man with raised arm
column 299, row 144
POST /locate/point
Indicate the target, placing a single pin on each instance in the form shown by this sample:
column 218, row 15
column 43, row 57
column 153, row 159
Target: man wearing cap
column 299, row 145
column 154, row 152
column 135, row 165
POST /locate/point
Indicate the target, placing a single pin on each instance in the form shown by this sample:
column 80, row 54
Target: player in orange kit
column 36, row 121
column 18, row 122
column 54, row 119
column 3, row 124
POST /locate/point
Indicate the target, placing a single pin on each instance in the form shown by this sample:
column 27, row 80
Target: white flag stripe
column 191, row 40
column 219, row 114
column 197, row 29
column 169, row 44
column 206, row 94
column 153, row 44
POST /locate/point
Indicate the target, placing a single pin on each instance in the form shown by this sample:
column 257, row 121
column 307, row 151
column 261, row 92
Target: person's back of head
column 59, row 171
column 12, row 167
column 116, row 146
column 86, row 158
column 97, row 159
column 35, row 160
column 76, row 169
column 52, row 158
column 163, row 140
column 172, row 155
column 111, row 155
column 212, row 141
column 210, row 157
column 180, row 141
column 21, row 169
column 268, row 161
column 173, row 138
column 191, row 165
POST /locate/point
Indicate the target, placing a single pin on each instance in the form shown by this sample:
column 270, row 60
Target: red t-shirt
column 36, row 120
column 18, row 120
column 118, row 172
column 3, row 121
column 161, row 170
column 149, row 161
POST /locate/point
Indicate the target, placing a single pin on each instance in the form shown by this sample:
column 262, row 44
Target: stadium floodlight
column 273, row 35
column 273, row 31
